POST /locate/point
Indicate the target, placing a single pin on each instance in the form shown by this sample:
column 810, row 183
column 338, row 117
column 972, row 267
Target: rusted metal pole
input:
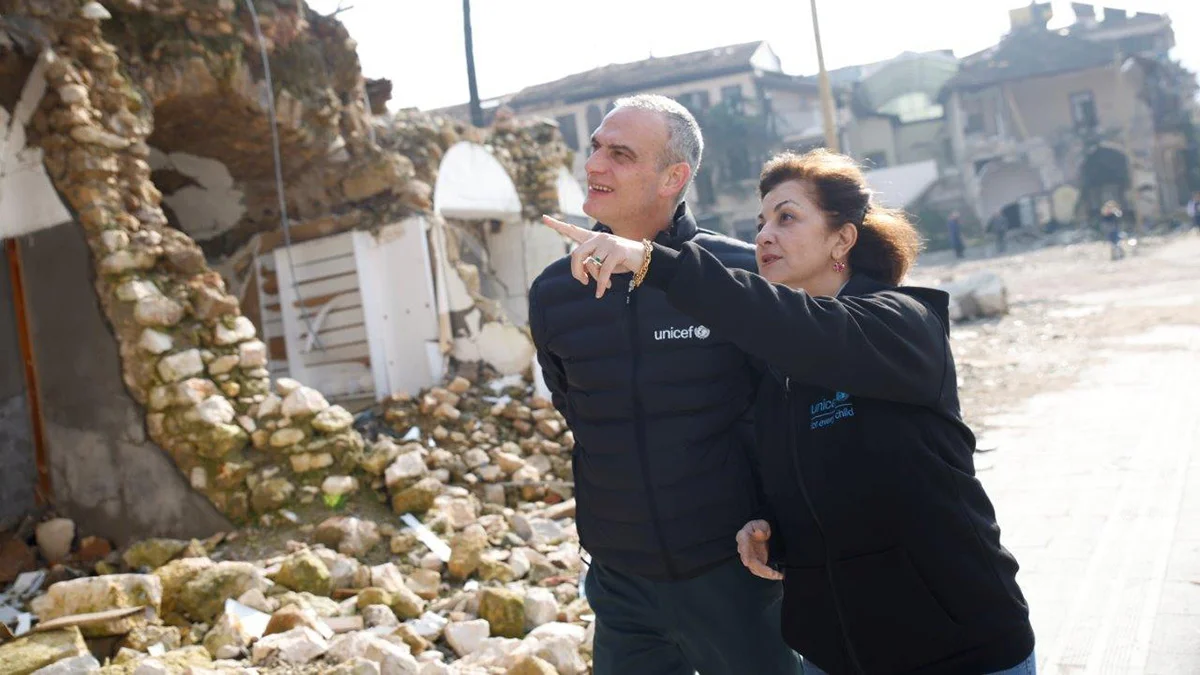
column 42, row 491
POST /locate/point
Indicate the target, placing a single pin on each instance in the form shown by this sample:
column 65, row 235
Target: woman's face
column 795, row 245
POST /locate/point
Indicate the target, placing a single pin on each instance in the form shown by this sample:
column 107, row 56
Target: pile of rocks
column 483, row 579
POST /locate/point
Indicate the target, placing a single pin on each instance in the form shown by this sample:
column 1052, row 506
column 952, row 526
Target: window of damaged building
column 1083, row 110
column 569, row 131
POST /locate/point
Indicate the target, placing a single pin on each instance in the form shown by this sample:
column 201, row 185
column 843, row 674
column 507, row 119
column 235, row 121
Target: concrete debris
column 99, row 594
column 295, row 647
column 466, row 637
column 54, row 538
column 477, row 477
column 977, row 296
column 76, row 665
column 39, row 650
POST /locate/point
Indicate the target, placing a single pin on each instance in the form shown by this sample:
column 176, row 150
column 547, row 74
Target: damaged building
column 195, row 245
column 1048, row 125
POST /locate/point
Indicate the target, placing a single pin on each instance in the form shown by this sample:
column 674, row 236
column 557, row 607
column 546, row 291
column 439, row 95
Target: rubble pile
column 130, row 81
column 446, row 544
column 478, row 574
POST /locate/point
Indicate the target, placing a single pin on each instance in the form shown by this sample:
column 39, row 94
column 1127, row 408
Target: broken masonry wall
column 105, row 473
column 185, row 350
column 18, row 473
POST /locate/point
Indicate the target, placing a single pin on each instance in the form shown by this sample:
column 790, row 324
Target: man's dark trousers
column 723, row 622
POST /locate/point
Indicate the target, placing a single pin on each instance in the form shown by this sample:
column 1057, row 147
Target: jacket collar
column 937, row 300
column 683, row 228
column 861, row 284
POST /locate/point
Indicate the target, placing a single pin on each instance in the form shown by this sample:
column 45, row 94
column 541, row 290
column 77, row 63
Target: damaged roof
column 621, row 78
column 1027, row 54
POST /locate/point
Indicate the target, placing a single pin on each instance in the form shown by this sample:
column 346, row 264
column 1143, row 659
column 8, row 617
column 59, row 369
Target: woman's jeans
column 1026, row 667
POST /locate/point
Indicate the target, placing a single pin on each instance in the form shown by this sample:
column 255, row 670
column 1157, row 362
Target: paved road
column 1097, row 489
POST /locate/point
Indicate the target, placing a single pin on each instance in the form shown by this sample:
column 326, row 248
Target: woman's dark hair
column 887, row 243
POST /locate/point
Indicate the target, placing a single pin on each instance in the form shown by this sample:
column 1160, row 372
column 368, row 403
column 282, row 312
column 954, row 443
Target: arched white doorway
column 473, row 185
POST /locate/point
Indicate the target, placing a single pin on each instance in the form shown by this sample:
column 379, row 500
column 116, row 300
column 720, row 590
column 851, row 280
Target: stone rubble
column 505, row 599
column 485, row 469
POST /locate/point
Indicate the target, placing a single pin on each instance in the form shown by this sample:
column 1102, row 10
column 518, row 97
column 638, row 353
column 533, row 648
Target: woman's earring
column 839, row 266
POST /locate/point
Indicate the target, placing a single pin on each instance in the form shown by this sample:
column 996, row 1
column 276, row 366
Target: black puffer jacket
column 659, row 407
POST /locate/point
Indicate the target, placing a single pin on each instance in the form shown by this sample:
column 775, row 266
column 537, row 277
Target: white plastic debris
column 440, row 548
column 500, row 384
column 26, row 586
column 414, row 434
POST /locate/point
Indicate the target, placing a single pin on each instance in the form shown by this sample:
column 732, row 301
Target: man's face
column 625, row 181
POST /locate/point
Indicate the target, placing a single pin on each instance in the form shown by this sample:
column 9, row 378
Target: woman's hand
column 752, row 547
column 599, row 255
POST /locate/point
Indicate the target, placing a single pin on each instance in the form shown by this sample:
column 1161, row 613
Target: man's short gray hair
column 684, row 141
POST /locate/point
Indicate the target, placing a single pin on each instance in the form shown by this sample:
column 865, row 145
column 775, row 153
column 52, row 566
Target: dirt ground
column 1065, row 301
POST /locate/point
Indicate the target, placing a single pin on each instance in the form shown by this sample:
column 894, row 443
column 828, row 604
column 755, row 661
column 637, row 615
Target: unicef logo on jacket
column 691, row 332
column 829, row 411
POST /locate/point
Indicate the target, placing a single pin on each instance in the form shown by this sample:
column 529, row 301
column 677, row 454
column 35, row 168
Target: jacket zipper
column 837, row 601
column 640, row 430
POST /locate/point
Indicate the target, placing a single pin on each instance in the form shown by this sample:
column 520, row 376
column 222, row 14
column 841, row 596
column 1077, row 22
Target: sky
column 418, row 44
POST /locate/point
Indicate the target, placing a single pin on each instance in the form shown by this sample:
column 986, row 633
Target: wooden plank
column 407, row 316
column 354, row 352
column 91, row 618
column 272, row 319
column 332, row 267
column 337, row 320
column 277, row 348
column 369, row 255
column 291, row 319
column 340, row 336
column 316, row 302
column 272, row 329
column 306, row 231
column 347, row 283
column 339, row 370
column 316, row 250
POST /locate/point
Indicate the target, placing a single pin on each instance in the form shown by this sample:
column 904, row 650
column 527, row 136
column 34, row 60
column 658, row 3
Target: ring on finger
column 595, row 259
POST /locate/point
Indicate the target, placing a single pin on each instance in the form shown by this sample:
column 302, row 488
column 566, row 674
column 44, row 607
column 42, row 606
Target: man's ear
column 676, row 177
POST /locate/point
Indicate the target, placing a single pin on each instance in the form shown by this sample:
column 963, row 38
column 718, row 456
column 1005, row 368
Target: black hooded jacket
column 890, row 547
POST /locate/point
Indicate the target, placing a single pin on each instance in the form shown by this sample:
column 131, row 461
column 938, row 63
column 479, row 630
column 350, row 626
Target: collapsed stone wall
column 187, row 353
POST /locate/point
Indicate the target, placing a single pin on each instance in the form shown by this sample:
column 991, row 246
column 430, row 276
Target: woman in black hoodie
column 887, row 544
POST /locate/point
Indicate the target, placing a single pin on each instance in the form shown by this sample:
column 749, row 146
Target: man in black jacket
column 659, row 407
